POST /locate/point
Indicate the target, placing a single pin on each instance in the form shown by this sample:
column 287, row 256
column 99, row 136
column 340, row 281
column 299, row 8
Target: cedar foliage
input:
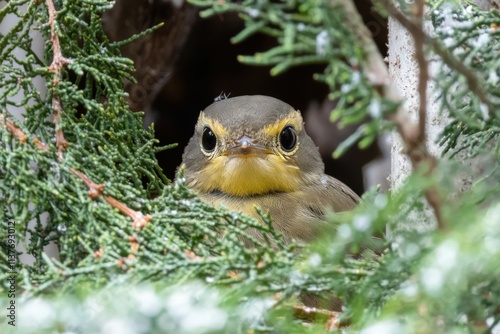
column 141, row 254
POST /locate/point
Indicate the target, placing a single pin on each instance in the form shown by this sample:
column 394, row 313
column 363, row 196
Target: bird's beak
column 246, row 147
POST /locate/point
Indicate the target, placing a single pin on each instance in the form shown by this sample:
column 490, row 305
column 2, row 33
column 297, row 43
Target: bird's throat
column 248, row 176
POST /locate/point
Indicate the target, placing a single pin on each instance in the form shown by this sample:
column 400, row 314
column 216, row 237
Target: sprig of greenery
column 186, row 269
column 472, row 38
column 314, row 32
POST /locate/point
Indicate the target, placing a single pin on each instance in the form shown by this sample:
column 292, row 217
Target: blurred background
column 189, row 61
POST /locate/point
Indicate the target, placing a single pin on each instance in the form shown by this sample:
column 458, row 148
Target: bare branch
column 19, row 134
column 58, row 62
column 376, row 69
column 139, row 219
column 311, row 314
column 412, row 135
column 423, row 67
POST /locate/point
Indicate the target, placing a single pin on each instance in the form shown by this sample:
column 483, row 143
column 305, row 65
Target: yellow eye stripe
column 215, row 125
column 241, row 177
column 293, row 118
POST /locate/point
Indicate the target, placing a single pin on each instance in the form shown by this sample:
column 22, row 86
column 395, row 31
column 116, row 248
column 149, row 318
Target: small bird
column 250, row 151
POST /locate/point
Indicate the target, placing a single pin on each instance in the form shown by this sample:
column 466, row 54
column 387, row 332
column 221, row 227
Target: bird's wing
column 330, row 194
column 301, row 215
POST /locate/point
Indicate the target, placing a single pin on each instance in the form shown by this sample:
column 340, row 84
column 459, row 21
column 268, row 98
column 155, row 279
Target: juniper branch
column 139, row 220
column 473, row 81
column 58, row 62
column 413, row 136
column 19, row 134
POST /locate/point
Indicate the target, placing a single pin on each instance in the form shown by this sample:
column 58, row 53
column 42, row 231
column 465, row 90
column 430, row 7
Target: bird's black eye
column 288, row 138
column 208, row 139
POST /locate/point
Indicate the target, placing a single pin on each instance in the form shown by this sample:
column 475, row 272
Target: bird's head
column 250, row 145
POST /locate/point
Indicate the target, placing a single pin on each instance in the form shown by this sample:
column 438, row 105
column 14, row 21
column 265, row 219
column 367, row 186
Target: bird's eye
column 208, row 139
column 288, row 138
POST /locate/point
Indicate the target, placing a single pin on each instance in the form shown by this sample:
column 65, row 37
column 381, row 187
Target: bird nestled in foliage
column 250, row 151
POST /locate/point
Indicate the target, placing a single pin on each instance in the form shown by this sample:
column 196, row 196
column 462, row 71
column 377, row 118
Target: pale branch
column 418, row 35
column 19, row 134
column 58, row 62
column 139, row 220
column 423, row 68
column 412, row 135
column 419, row 153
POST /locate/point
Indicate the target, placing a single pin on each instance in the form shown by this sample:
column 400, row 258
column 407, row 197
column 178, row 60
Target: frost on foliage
column 315, row 260
column 193, row 308
column 190, row 308
column 389, row 326
column 254, row 310
column 375, row 108
column 322, row 41
column 432, row 279
column 362, row 222
column 344, row 231
column 472, row 37
column 41, row 314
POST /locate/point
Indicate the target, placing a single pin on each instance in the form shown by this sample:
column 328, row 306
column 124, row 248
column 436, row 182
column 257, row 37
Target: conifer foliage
column 139, row 254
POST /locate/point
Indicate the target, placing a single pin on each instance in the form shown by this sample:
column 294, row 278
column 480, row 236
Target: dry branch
column 19, row 134
column 58, row 62
column 139, row 220
column 412, row 135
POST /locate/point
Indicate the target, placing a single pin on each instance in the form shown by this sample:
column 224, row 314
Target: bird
column 253, row 151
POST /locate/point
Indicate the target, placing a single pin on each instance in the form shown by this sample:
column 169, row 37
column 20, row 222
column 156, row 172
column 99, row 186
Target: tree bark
column 154, row 54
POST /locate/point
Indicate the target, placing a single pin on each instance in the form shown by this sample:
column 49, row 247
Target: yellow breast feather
column 247, row 176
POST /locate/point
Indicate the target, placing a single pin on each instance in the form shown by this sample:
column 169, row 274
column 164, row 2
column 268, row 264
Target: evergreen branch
column 58, row 62
column 473, row 81
column 19, row 134
column 139, row 219
column 13, row 129
column 412, row 135
column 191, row 240
column 135, row 37
column 423, row 66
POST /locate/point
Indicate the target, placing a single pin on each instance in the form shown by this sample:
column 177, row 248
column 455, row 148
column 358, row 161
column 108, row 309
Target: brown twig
column 19, row 134
column 311, row 314
column 13, row 129
column 58, row 62
column 134, row 246
column 423, row 65
column 191, row 255
column 417, row 150
column 412, row 135
column 139, row 220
